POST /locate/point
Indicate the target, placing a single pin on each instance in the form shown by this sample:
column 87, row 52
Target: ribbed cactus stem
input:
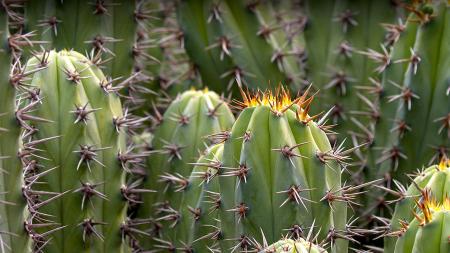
column 78, row 146
column 223, row 42
column 413, row 126
column 180, row 137
column 13, row 205
column 278, row 173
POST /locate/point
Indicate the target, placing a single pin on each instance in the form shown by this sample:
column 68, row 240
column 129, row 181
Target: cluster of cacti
column 274, row 172
column 80, row 173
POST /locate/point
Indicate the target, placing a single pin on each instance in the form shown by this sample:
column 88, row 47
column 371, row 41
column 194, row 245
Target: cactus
column 293, row 246
column 411, row 101
column 337, row 35
column 75, row 132
column 179, row 138
column 13, row 205
column 428, row 231
column 414, row 106
column 431, row 181
column 276, row 152
column 278, row 173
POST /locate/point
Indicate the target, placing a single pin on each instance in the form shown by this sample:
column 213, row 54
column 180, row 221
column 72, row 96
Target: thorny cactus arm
column 415, row 128
column 80, row 152
column 178, row 140
column 13, row 206
column 277, row 152
column 427, row 227
column 278, row 174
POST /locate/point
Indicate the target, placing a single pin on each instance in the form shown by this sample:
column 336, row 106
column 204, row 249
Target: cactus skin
column 434, row 179
column 222, row 42
column 99, row 26
column 425, row 136
column 177, row 141
column 84, row 125
column 13, row 206
column 293, row 246
column 335, row 47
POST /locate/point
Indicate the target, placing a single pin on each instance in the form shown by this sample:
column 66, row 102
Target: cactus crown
column 444, row 163
column 279, row 101
column 428, row 206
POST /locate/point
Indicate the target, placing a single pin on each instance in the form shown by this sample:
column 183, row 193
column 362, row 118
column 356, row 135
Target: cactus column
column 13, row 206
column 179, row 139
column 414, row 107
column 79, row 134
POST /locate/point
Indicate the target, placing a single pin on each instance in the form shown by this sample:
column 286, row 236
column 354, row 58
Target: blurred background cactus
column 125, row 111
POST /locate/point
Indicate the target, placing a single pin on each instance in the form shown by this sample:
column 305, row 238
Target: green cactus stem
column 77, row 131
column 179, row 138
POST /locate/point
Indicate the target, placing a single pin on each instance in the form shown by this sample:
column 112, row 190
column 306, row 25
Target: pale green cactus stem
column 179, row 139
column 428, row 230
column 278, row 174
